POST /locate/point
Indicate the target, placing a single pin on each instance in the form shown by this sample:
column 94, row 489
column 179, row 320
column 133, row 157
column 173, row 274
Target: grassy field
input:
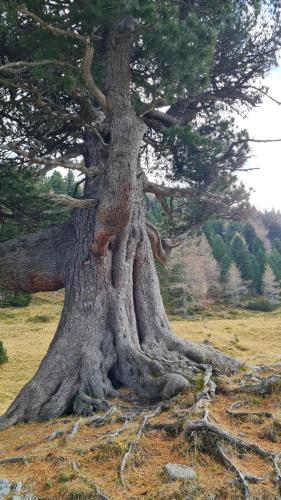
column 68, row 468
column 27, row 333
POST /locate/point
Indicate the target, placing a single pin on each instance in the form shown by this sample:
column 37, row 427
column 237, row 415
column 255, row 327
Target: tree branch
column 87, row 74
column 88, row 54
column 158, row 190
column 70, row 202
column 53, row 29
column 18, row 66
column 50, row 163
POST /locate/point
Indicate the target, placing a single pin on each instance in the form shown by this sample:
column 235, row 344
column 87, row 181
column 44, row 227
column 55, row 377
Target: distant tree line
column 238, row 242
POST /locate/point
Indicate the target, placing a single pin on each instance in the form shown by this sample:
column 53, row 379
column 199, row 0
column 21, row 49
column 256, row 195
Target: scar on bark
column 161, row 248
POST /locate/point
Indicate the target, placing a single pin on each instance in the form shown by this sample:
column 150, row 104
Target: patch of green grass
column 7, row 315
column 63, row 478
column 3, row 354
column 48, row 484
column 253, row 402
column 40, row 318
column 242, row 368
column 199, row 382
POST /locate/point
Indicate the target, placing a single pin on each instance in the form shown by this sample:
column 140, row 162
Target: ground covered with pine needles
column 73, row 457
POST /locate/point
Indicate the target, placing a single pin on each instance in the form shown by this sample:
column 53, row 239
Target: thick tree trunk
column 113, row 330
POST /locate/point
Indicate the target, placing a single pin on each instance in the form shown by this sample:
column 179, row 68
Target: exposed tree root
column 13, row 460
column 229, row 464
column 265, row 386
column 98, row 420
column 212, row 435
column 133, row 443
column 74, row 429
column 242, row 414
column 207, row 427
column 99, row 494
column 110, row 437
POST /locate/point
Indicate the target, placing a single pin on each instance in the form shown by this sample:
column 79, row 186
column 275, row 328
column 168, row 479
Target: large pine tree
column 110, row 81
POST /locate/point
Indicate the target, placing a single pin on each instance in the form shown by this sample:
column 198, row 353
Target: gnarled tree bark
column 113, row 330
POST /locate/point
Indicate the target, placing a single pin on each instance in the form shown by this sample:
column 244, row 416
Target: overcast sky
column 264, row 122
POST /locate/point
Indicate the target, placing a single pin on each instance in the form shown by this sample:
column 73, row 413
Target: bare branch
column 53, row 29
column 64, row 199
column 261, row 140
column 48, row 162
column 18, row 66
column 263, row 92
column 87, row 74
column 164, row 118
column 161, row 247
column 150, row 106
column 162, row 191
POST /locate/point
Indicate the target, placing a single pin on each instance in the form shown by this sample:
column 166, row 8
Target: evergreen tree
column 221, row 254
column 70, row 183
column 276, row 244
column 90, row 78
column 230, row 230
column 275, row 262
column 242, row 257
column 55, row 183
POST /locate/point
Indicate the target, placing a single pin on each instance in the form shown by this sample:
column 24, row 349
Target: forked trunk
column 113, row 330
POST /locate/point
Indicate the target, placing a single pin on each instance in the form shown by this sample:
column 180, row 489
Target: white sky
column 264, row 122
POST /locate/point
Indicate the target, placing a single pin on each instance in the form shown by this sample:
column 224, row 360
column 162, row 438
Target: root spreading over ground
column 227, row 429
column 223, row 430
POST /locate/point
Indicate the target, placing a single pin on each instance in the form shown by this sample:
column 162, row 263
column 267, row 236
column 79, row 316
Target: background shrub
column 3, row 354
column 261, row 304
column 14, row 299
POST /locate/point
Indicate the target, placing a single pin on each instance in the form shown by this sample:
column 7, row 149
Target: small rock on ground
column 179, row 471
column 5, row 488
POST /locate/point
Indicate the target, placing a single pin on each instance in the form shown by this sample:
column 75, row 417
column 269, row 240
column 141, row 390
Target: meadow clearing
column 27, row 332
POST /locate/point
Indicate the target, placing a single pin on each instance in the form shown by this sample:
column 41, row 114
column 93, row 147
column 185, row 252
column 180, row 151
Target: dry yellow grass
column 26, row 340
column 252, row 337
column 26, row 333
